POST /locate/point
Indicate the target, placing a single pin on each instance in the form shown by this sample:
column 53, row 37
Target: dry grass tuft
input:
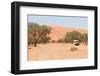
column 73, row 49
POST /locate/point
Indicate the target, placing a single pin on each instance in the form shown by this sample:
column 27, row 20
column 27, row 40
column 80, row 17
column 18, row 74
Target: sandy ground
column 57, row 51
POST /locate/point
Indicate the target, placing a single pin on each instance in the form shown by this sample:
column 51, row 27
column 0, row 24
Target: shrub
column 53, row 41
column 60, row 40
column 73, row 49
column 85, row 38
column 74, row 35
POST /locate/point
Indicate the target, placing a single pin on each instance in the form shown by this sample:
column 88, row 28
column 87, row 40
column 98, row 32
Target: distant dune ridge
column 58, row 32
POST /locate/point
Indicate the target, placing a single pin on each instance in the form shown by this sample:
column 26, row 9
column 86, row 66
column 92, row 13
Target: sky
column 66, row 21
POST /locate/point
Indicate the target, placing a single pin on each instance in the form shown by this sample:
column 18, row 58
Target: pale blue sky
column 66, row 21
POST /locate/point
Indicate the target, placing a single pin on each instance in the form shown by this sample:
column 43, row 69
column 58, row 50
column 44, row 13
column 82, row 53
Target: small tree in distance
column 60, row 41
column 53, row 41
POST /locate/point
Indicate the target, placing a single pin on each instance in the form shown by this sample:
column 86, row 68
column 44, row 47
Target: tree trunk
column 35, row 44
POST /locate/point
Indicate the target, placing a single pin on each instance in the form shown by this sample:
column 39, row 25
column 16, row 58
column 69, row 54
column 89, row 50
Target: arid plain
column 55, row 51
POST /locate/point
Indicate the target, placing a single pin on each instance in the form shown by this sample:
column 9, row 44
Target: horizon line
column 58, row 25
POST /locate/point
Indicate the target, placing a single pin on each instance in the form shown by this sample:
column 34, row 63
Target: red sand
column 58, row 32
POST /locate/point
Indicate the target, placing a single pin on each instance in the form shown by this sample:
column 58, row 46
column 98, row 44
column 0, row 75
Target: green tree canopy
column 85, row 37
column 74, row 35
column 38, row 33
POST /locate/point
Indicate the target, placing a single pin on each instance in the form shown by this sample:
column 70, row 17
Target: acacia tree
column 74, row 35
column 85, row 38
column 38, row 33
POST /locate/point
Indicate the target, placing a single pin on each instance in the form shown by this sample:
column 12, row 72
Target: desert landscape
column 58, row 31
column 54, row 50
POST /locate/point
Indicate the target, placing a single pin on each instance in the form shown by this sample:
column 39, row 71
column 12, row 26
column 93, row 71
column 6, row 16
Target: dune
column 58, row 32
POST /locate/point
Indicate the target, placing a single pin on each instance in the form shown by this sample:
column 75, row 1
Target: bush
column 53, row 41
column 70, row 36
column 73, row 49
column 74, row 35
column 60, row 41
column 85, row 38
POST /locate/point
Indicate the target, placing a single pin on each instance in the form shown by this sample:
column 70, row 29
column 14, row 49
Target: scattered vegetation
column 40, row 34
column 73, row 49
